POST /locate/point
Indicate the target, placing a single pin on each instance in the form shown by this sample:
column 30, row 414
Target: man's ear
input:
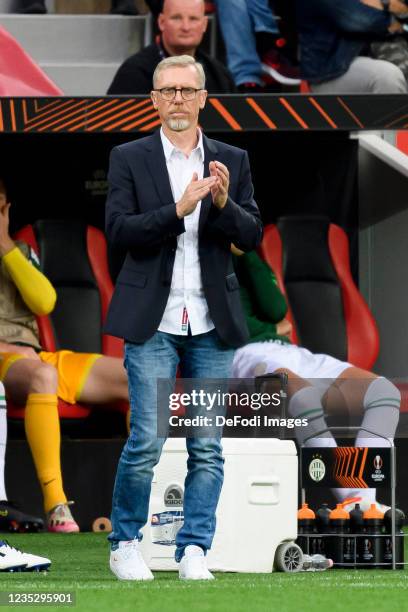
column 153, row 97
column 205, row 24
column 202, row 98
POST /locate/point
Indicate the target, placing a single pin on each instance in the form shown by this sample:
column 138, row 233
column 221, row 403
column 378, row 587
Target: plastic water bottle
column 353, row 549
column 316, row 563
column 372, row 544
column 322, row 526
column 339, row 525
column 306, row 525
column 399, row 539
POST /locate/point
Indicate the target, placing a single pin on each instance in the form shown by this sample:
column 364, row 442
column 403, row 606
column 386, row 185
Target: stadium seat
column 19, row 74
column 73, row 256
column 310, row 257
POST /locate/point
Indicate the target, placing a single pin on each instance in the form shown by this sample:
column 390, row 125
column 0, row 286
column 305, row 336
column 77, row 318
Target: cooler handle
column 264, row 490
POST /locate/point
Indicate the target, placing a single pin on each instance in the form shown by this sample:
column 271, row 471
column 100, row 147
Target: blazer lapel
column 156, row 164
column 210, row 154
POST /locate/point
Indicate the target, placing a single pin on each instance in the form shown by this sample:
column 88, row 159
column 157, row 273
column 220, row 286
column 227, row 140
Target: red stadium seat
column 310, row 258
column 74, row 257
column 19, row 74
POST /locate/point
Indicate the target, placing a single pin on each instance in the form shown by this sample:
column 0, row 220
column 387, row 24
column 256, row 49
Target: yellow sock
column 43, row 434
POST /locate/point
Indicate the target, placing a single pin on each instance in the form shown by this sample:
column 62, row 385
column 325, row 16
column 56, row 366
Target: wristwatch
column 386, row 5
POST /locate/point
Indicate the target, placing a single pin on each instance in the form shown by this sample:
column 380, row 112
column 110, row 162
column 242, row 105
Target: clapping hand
column 195, row 191
column 219, row 191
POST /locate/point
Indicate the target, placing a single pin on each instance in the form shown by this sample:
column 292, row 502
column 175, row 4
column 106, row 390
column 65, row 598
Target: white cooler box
column 257, row 510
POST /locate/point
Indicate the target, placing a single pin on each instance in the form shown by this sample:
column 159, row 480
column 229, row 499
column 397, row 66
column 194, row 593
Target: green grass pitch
column 80, row 565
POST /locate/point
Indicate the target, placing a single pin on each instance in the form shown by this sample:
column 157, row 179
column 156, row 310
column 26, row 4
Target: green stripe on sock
column 370, row 406
column 304, row 414
column 390, row 400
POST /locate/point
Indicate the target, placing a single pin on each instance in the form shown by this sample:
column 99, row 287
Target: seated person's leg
column 105, row 383
column 380, row 402
column 90, row 378
column 34, row 383
column 365, row 75
column 305, row 403
column 258, row 358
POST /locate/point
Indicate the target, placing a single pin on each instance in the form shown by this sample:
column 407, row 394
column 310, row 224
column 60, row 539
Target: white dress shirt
column 186, row 303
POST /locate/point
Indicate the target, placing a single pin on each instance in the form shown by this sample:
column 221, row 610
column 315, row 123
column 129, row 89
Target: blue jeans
column 239, row 20
column 201, row 356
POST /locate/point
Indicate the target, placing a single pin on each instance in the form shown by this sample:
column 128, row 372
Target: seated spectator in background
column 182, row 24
column 10, row 516
column 119, row 7
column 37, row 378
column 314, row 380
column 334, row 42
column 251, row 37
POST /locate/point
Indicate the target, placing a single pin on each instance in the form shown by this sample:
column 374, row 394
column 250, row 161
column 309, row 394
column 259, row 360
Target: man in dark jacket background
column 182, row 24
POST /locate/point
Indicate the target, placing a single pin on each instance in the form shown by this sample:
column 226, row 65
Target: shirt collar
column 169, row 148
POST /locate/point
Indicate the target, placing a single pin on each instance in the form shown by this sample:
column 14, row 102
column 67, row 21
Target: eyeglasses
column 169, row 93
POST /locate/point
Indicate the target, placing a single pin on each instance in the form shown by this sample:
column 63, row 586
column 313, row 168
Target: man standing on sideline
column 176, row 202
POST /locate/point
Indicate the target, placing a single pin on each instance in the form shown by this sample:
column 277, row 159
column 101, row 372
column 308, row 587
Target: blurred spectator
column 335, row 38
column 156, row 7
column 253, row 44
column 182, row 25
column 118, row 7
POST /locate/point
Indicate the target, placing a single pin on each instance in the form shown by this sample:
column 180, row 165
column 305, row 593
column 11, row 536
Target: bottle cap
column 373, row 513
column 339, row 513
column 305, row 512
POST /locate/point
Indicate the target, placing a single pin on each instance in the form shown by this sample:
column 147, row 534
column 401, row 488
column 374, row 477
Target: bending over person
column 314, row 380
column 36, row 378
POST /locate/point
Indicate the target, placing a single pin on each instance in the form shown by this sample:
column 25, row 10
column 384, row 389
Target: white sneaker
column 127, row 563
column 12, row 559
column 193, row 565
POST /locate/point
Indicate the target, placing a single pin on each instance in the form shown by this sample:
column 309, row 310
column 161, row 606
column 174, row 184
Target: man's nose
column 178, row 97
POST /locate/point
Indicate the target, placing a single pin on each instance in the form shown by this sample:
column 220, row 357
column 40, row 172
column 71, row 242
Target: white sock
column 306, row 404
column 381, row 413
column 3, row 441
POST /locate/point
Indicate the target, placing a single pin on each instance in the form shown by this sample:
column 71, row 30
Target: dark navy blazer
column 141, row 219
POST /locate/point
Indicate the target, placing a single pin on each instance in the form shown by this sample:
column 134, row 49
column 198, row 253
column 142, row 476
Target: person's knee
column 44, row 379
column 206, row 450
column 143, row 450
column 380, row 393
column 388, row 78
